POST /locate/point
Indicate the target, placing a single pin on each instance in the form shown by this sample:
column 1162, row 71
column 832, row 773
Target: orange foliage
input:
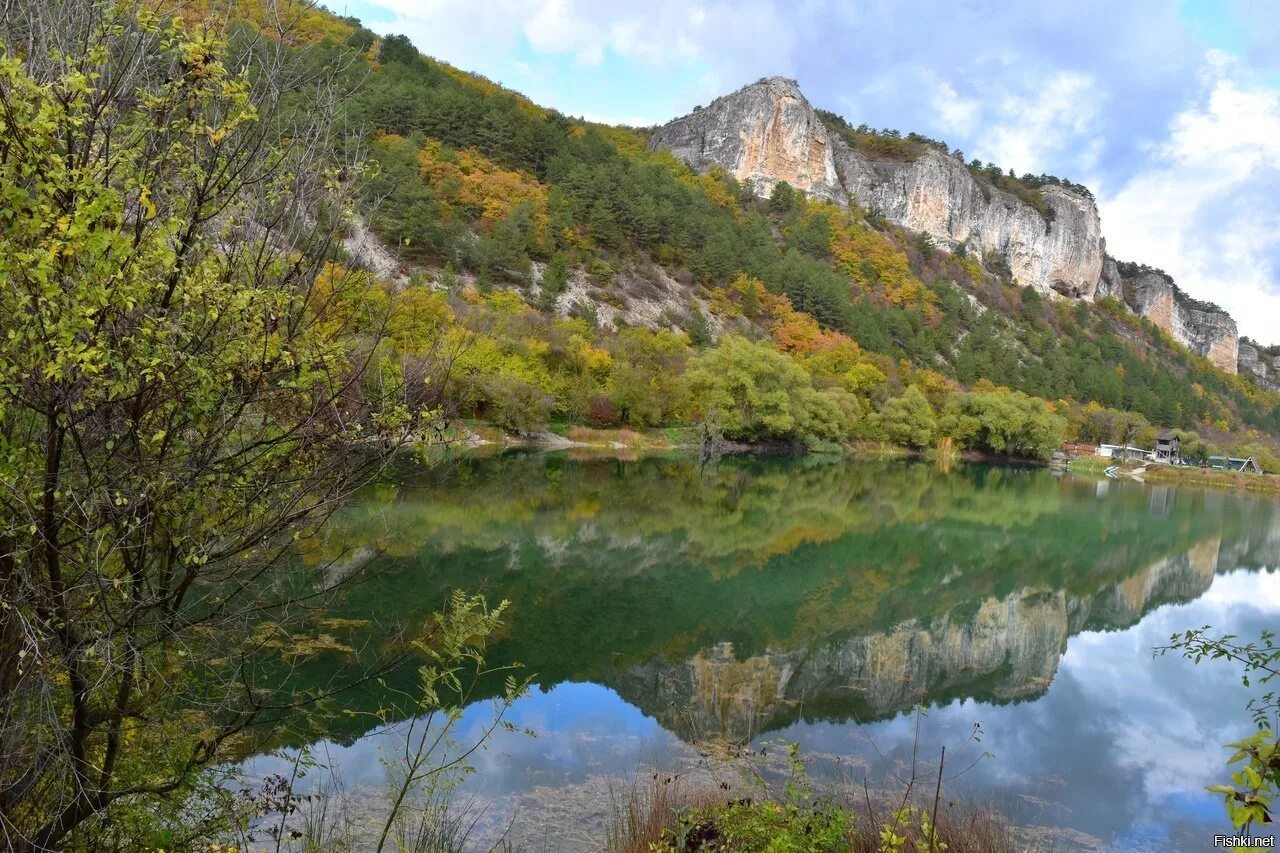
column 823, row 352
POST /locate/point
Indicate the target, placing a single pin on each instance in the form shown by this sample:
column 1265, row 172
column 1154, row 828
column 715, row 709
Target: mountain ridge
column 767, row 132
column 602, row 280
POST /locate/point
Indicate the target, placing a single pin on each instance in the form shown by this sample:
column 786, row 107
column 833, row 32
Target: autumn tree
column 181, row 393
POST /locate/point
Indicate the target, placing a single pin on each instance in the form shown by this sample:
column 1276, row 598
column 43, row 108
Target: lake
column 660, row 603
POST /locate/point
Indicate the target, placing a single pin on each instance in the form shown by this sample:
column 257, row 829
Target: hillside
column 559, row 270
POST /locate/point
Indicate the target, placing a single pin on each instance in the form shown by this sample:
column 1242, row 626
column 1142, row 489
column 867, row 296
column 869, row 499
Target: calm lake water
column 660, row 603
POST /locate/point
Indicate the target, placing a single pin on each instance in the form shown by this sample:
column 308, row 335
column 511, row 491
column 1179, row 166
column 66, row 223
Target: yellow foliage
column 935, row 387
column 469, row 179
column 871, row 258
column 972, row 267
column 714, row 183
column 419, row 317
column 300, row 22
column 822, row 352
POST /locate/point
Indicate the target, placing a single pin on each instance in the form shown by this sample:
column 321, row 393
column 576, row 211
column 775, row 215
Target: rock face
column 1110, row 283
column 764, row 133
column 1204, row 331
column 1259, row 365
column 768, row 132
column 936, row 194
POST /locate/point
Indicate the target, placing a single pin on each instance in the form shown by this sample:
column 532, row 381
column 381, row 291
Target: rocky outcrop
column 1260, row 365
column 767, row 132
column 937, row 195
column 1201, row 328
column 1110, row 283
column 764, row 133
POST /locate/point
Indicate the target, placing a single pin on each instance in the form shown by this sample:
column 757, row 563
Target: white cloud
column 1028, row 129
column 1204, row 209
column 956, row 114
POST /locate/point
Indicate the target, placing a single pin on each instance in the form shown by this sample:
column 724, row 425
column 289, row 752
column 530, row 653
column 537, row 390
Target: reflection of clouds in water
column 581, row 729
column 1255, row 590
column 1133, row 739
column 1120, row 745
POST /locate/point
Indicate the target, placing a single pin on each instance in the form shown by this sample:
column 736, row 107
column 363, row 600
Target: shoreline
column 1180, row 475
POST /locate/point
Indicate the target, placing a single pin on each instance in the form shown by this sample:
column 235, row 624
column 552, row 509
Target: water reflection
column 659, row 602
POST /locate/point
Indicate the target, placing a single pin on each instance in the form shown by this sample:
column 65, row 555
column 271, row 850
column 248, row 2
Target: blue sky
column 1169, row 111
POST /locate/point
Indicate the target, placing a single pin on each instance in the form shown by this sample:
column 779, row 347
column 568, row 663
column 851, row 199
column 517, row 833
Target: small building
column 1235, row 463
column 1168, row 449
column 1124, row 452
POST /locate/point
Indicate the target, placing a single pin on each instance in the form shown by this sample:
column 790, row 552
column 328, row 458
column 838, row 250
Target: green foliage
column 607, row 196
column 764, row 827
column 644, row 385
column 554, row 279
column 1254, row 787
column 699, row 328
column 179, row 398
column 752, row 392
column 782, row 198
column 908, row 419
column 1003, row 422
column 426, row 765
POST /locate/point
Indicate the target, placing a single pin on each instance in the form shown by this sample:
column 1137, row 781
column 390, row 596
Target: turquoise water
column 660, row 603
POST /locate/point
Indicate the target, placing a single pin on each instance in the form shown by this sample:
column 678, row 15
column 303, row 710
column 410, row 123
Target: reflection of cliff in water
column 738, row 596
column 1006, row 650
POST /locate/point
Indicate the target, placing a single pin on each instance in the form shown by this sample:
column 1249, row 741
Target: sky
column 1169, row 111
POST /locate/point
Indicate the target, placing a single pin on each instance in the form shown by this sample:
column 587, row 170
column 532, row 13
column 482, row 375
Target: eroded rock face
column 1209, row 333
column 937, row 195
column 1260, row 366
column 763, row 133
column 1110, row 283
column 768, row 132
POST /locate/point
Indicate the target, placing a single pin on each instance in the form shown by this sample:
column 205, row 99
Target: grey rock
column 1006, row 649
column 1205, row 332
column 1260, row 366
column 1110, row 283
column 936, row 194
column 768, row 132
column 764, row 133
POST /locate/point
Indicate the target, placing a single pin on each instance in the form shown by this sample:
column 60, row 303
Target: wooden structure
column 1079, row 448
column 1168, row 449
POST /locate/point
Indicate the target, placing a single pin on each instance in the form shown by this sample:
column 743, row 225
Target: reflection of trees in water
column 1007, row 650
column 857, row 586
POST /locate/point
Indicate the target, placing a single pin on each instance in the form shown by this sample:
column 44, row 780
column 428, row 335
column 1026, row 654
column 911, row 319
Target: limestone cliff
column 1204, row 329
column 937, row 195
column 764, row 133
column 768, row 132
column 1260, row 365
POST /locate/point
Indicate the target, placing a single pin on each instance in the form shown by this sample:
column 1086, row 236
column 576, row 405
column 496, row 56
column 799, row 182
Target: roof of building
column 1166, row 435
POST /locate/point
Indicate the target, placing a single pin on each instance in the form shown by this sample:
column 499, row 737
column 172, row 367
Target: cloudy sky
column 1169, row 111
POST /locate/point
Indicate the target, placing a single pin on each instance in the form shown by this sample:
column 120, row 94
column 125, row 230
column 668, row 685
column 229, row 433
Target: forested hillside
column 543, row 268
